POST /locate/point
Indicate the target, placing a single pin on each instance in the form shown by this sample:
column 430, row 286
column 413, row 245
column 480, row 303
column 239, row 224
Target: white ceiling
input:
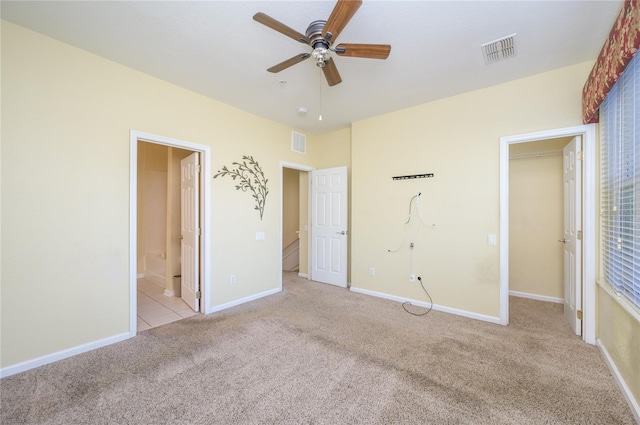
column 215, row 48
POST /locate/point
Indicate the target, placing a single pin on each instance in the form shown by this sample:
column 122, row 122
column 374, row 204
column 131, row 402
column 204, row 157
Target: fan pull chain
column 320, row 79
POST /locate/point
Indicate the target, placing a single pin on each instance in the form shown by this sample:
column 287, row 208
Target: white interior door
column 573, row 234
column 190, row 231
column 329, row 226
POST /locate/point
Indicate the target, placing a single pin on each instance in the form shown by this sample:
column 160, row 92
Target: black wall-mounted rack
column 413, row 176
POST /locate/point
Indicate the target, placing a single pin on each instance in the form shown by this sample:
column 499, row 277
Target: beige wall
column 457, row 139
column 290, row 206
column 536, row 219
column 331, row 149
column 66, row 121
column 619, row 332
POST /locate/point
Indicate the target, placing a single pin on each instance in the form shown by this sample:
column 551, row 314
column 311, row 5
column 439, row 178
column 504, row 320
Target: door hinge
column 578, row 314
column 198, row 168
column 199, row 295
column 199, row 231
column 580, row 155
column 579, row 235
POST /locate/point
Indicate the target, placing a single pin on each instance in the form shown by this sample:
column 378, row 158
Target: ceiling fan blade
column 372, row 51
column 289, row 62
column 339, row 18
column 280, row 27
column 331, row 73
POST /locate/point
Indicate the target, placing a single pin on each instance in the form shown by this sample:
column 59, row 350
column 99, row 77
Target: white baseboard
column 435, row 307
column 169, row 293
column 242, row 300
column 305, row 275
column 536, row 297
column 635, row 408
column 60, row 355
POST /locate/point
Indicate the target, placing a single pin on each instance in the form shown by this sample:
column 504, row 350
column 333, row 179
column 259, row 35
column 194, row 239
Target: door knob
column 342, row 233
column 562, row 240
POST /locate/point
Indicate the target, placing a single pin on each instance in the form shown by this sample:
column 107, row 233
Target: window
column 620, row 184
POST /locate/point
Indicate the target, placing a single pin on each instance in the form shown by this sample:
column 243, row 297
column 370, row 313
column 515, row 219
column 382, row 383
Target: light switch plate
column 259, row 236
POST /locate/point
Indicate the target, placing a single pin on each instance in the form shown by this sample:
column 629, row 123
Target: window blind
column 620, row 184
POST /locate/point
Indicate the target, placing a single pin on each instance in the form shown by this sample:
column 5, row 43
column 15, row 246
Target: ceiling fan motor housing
column 320, row 46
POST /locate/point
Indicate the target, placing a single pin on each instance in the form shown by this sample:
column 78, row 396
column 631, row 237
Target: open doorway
column 170, row 203
column 160, row 237
column 293, row 227
column 536, row 220
column 295, row 219
column 323, row 222
column 586, row 133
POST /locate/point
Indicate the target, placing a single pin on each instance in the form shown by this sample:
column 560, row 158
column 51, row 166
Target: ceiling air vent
column 500, row 49
column 298, row 142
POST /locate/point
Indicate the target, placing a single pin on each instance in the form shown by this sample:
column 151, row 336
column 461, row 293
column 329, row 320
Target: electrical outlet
column 412, row 277
column 232, row 279
column 372, row 271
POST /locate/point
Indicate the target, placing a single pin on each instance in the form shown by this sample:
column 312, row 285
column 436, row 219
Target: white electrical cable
column 406, row 227
column 412, row 227
column 415, row 227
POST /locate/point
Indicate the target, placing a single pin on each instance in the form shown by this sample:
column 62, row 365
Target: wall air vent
column 298, row 142
column 500, row 49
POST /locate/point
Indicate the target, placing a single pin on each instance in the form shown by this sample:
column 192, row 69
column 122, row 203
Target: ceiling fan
column 320, row 36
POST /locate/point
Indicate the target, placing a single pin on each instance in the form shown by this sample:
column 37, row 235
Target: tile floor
column 155, row 308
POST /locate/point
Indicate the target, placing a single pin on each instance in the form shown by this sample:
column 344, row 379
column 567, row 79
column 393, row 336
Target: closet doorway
column 586, row 155
column 536, row 220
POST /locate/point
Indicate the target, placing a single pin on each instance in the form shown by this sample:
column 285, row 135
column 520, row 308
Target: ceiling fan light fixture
column 321, row 56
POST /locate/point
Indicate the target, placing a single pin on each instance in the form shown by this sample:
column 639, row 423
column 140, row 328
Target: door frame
column 307, row 169
column 205, row 214
column 588, row 133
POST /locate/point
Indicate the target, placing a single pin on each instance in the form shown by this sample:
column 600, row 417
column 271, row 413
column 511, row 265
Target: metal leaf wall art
column 250, row 177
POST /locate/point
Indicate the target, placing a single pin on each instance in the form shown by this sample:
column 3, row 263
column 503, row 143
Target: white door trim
column 205, row 211
column 588, row 133
column 299, row 167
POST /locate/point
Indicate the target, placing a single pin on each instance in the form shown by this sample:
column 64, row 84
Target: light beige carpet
column 317, row 354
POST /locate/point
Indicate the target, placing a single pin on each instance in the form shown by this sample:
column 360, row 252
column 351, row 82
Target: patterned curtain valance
column 618, row 49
